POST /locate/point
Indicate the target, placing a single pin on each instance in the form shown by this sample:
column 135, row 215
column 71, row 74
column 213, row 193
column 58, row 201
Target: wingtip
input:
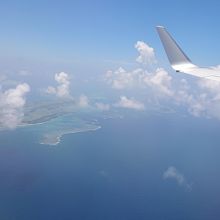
column 159, row 26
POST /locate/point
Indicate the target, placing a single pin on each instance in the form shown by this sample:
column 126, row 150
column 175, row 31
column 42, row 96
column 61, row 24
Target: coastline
column 55, row 139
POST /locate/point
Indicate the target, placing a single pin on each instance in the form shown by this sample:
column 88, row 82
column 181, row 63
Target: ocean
column 115, row 172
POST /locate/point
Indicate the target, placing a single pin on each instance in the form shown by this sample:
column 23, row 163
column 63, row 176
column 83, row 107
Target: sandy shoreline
column 55, row 139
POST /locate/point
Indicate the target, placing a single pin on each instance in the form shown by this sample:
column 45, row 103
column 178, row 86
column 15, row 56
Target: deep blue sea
column 114, row 173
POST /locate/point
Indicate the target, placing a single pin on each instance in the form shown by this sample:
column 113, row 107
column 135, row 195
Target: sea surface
column 114, row 172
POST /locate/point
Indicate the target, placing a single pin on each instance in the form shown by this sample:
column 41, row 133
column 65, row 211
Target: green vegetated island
column 54, row 119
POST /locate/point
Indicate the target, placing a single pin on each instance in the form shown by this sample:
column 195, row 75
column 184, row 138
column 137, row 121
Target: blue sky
column 87, row 50
column 94, row 31
column 102, row 60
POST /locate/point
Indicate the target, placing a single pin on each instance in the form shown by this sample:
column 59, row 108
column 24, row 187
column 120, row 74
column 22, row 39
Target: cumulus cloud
column 156, row 79
column 173, row 173
column 122, row 79
column 146, row 53
column 12, row 102
column 160, row 81
column 51, row 90
column 210, row 86
column 62, row 90
column 201, row 99
column 102, row 107
column 130, row 104
column 83, row 101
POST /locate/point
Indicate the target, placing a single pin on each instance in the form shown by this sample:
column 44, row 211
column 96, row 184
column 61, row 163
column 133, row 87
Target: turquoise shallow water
column 115, row 172
column 51, row 132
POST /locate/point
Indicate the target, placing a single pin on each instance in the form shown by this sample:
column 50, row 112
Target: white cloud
column 83, row 101
column 156, row 78
column 62, row 90
column 51, row 90
column 130, row 104
column 12, row 102
column 201, row 100
column 146, row 53
column 173, row 173
column 122, row 79
column 200, row 97
column 210, row 86
column 160, row 81
column 102, row 106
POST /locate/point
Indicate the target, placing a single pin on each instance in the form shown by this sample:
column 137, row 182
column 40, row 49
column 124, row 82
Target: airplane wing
column 180, row 62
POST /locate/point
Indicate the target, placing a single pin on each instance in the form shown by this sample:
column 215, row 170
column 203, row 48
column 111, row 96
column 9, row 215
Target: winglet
column 174, row 53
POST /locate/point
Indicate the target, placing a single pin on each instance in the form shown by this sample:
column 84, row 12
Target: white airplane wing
column 179, row 60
